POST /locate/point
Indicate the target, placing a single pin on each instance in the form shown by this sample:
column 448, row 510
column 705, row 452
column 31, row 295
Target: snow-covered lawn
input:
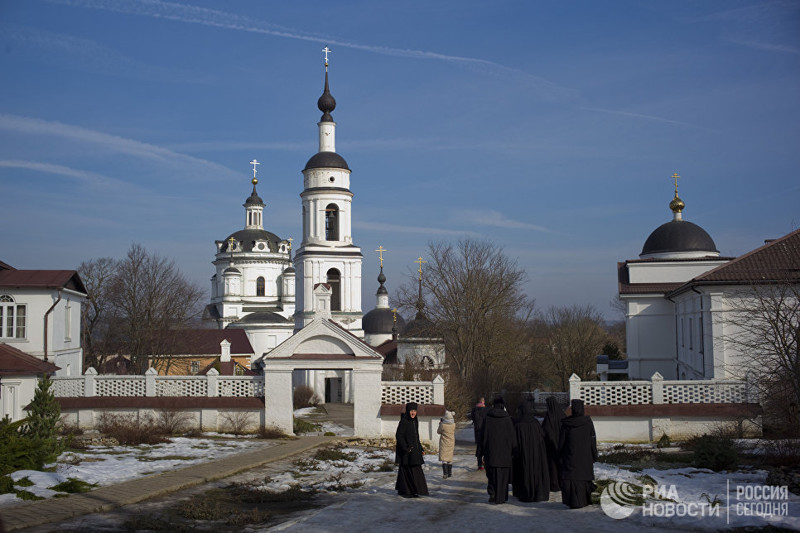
column 359, row 477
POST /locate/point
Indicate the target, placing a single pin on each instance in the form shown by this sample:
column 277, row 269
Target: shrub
column 664, row 441
column 171, row 421
column 236, row 422
column 13, row 447
column 6, row 484
column 271, row 433
column 73, row 486
column 716, row 453
column 303, row 396
column 41, row 426
column 304, row 426
column 334, row 454
column 131, row 430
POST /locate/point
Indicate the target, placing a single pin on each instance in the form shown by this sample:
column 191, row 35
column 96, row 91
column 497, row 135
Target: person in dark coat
column 551, row 426
column 478, row 416
column 530, row 477
column 409, row 456
column 499, row 442
column 577, row 449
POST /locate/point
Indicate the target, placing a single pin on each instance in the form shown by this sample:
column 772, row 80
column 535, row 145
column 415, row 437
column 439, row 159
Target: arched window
column 260, row 284
column 334, row 280
column 332, row 222
column 13, row 318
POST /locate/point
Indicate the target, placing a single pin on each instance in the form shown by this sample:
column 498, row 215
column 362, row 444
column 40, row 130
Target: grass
column 304, row 426
column 638, row 459
column 73, row 486
column 25, row 495
column 24, row 482
column 334, row 454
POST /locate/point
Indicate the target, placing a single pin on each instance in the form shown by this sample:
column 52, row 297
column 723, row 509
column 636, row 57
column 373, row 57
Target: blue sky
column 549, row 128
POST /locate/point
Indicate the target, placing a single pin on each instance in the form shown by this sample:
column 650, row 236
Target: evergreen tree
column 41, row 425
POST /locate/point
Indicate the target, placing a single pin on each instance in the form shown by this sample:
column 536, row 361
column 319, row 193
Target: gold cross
column 327, row 51
column 394, row 315
column 290, row 243
column 380, row 251
column 675, row 177
column 419, row 262
column 231, row 241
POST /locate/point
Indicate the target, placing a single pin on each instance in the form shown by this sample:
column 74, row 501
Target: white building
column 254, row 284
column 19, row 376
column 40, row 314
column 680, row 296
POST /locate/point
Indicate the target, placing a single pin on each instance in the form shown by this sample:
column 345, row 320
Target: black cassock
column 499, row 441
column 577, row 454
column 408, row 454
column 551, row 426
column 531, row 480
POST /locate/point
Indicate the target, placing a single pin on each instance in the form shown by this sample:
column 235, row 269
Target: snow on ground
column 106, row 465
column 361, row 488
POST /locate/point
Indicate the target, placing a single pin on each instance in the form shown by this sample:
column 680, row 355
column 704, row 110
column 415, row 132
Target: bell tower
column 327, row 254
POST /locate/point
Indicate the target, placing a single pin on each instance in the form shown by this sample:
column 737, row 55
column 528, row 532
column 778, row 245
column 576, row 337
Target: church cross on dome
column 380, row 251
column 255, row 163
column 675, row 177
column 327, row 51
column 420, row 261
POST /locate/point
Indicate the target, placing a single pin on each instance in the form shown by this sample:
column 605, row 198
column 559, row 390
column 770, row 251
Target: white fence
column 421, row 392
column 151, row 384
column 657, row 391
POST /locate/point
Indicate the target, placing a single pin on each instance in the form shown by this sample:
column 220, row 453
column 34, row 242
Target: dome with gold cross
column 678, row 238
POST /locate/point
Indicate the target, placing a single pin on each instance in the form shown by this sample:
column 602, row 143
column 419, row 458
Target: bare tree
column 475, row 300
column 762, row 324
column 142, row 305
column 568, row 340
column 96, row 276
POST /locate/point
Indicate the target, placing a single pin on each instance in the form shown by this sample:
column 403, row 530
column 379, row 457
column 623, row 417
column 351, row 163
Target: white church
column 278, row 295
column 681, row 300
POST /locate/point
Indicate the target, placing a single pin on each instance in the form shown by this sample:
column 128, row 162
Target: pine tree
column 41, row 425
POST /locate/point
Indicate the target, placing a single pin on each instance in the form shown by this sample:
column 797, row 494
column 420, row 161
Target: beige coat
column 447, row 441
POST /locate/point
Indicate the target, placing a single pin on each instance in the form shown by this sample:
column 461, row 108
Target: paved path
column 113, row 496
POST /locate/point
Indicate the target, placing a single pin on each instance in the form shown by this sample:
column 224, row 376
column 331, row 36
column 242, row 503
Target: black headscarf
column 552, row 421
column 411, row 406
column 577, row 408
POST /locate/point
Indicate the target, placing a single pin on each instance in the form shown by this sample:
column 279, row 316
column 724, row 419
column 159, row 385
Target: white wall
column 16, row 393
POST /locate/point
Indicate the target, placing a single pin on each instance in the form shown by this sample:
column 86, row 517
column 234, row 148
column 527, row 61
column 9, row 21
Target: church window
column 13, row 318
column 701, row 341
column 332, row 223
column 260, row 286
column 334, row 280
column 194, row 367
column 67, row 323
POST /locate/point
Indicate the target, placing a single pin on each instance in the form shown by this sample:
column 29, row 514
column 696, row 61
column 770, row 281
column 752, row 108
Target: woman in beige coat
column 447, row 443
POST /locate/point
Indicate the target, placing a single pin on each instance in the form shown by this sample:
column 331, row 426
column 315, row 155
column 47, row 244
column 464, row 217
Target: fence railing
column 151, row 384
column 422, row 392
column 658, row 391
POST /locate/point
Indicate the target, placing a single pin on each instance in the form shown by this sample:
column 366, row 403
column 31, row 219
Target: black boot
column 444, row 470
column 449, row 469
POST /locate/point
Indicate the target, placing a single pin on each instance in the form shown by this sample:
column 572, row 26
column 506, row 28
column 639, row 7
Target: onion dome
column 326, row 102
column 254, row 198
column 381, row 320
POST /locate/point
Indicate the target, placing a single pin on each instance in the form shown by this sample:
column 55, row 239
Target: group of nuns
column 558, row 454
column 534, row 458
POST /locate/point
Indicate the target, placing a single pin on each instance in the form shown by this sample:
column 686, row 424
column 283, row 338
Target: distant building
column 197, row 351
column 40, row 314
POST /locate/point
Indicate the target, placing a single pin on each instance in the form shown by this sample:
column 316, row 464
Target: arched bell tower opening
column 332, row 222
column 334, row 279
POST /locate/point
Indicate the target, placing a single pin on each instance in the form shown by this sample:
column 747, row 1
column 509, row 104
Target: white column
column 367, row 402
column 278, row 406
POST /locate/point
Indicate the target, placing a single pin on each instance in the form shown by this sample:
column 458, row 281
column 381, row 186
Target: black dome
column 679, row 236
column 254, row 199
column 248, row 238
column 381, row 321
column 265, row 317
column 420, row 327
column 326, row 160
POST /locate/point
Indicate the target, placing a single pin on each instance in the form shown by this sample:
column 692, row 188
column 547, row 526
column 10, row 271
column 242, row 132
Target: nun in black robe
column 577, row 449
column 408, row 455
column 499, row 442
column 530, row 478
column 551, row 426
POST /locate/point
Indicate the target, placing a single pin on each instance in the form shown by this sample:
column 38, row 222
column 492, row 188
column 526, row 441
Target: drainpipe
column 45, row 322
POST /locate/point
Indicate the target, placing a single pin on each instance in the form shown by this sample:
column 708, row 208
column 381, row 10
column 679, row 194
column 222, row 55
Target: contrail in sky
column 221, row 19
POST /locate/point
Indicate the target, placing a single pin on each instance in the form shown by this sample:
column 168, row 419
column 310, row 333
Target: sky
column 550, row 129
